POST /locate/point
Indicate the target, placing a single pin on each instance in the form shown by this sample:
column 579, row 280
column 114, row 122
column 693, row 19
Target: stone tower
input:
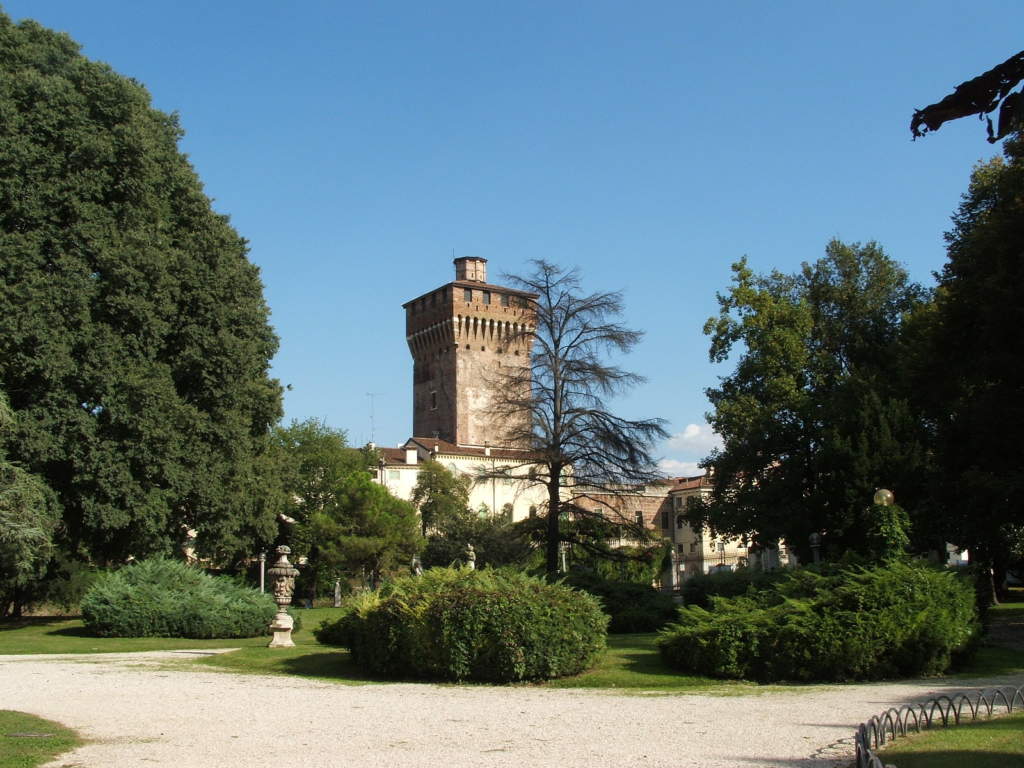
column 460, row 336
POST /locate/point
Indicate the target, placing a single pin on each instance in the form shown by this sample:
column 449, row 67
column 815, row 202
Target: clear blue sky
column 359, row 145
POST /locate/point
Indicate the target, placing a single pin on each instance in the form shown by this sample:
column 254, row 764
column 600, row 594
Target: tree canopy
column 972, row 380
column 439, row 495
column 814, row 417
column 578, row 445
column 134, row 337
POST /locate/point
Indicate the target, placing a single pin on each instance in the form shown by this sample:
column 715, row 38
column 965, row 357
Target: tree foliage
column 980, row 96
column 814, row 417
column 440, row 495
column 28, row 516
column 134, row 342
column 579, row 446
column 972, row 380
column 367, row 530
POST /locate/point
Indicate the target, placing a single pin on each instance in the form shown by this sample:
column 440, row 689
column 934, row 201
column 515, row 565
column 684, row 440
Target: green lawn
column 996, row 743
column 27, row 741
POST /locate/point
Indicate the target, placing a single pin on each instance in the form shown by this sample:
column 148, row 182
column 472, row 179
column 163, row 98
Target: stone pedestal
column 282, row 629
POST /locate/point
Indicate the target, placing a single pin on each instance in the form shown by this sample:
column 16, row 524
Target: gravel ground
column 136, row 711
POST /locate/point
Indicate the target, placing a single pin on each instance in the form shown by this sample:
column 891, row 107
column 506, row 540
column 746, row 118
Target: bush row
column 167, row 598
column 851, row 624
column 456, row 624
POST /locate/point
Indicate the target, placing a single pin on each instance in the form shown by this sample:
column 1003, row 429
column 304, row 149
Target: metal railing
column 917, row 717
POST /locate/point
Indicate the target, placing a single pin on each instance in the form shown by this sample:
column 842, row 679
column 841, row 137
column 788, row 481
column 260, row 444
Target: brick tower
column 460, row 336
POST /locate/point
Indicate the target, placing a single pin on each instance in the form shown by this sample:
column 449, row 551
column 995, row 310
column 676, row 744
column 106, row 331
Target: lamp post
column 883, row 497
column 815, row 541
column 283, row 574
column 263, row 572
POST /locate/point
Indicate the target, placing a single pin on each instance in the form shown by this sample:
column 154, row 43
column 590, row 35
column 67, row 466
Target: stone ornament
column 282, row 575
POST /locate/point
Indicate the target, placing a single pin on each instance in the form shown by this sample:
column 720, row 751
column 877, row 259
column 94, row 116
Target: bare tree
column 556, row 405
column 980, row 96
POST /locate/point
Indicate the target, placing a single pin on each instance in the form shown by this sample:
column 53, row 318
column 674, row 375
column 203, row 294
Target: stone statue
column 470, row 557
column 337, row 593
column 417, row 566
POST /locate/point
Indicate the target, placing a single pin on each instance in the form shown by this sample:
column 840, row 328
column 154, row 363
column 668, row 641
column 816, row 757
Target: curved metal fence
column 917, row 717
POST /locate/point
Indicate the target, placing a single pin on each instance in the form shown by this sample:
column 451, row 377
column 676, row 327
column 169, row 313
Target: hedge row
column 853, row 624
column 167, row 598
column 456, row 624
column 632, row 607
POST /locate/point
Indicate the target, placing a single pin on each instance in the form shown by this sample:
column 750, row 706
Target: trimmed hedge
column 898, row 620
column 633, row 607
column 167, row 598
column 496, row 626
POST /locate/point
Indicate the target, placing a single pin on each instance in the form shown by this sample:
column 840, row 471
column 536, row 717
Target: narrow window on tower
column 487, row 297
column 467, row 294
column 504, row 299
column 433, row 401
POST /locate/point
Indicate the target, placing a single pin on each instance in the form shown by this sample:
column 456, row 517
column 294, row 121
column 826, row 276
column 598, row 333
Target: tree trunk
column 553, row 531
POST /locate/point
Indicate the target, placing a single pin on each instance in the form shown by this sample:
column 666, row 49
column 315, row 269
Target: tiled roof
column 434, row 444
column 689, row 483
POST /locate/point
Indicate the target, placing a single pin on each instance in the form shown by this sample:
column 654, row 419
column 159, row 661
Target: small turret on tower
column 471, row 268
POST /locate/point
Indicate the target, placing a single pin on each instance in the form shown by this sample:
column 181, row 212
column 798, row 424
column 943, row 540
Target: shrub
column 850, row 624
column 633, row 607
column 699, row 589
column 456, row 624
column 167, row 598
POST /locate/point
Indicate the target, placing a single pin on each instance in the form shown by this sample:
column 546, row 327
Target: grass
column 995, row 743
column 27, row 741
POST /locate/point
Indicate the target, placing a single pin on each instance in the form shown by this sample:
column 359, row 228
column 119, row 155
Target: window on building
column 392, row 475
column 694, row 545
column 504, row 299
column 433, row 401
column 665, row 519
column 467, row 294
column 680, row 521
column 487, row 297
column 638, row 518
column 533, row 511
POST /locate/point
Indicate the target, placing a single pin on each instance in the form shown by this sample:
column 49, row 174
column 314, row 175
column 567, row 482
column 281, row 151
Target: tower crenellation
column 459, row 335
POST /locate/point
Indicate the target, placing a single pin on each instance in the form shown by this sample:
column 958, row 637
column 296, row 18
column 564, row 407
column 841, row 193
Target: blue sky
column 358, row 146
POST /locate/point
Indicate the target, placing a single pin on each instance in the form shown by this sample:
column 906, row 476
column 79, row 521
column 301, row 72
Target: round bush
column 847, row 624
column 496, row 626
column 167, row 598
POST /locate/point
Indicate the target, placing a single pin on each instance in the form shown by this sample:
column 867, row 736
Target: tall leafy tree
column 815, row 416
column 973, row 380
column 134, row 337
column 367, row 530
column 439, row 495
column 558, row 403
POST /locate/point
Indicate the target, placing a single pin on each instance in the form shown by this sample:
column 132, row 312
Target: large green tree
column 134, row 337
column 440, row 495
column 973, row 379
column 367, row 531
column 815, row 415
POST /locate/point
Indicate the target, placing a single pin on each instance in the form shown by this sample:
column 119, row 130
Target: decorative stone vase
column 282, row 578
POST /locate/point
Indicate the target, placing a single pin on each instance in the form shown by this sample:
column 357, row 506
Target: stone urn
column 282, row 579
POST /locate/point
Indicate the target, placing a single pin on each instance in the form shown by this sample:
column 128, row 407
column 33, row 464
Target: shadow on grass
column 22, row 622
column 334, row 665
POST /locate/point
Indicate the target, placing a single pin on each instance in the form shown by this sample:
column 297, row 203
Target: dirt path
column 136, row 712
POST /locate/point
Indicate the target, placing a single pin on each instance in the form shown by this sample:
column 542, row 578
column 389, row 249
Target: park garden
column 144, row 468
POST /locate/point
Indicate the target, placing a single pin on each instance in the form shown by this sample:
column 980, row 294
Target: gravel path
column 135, row 711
